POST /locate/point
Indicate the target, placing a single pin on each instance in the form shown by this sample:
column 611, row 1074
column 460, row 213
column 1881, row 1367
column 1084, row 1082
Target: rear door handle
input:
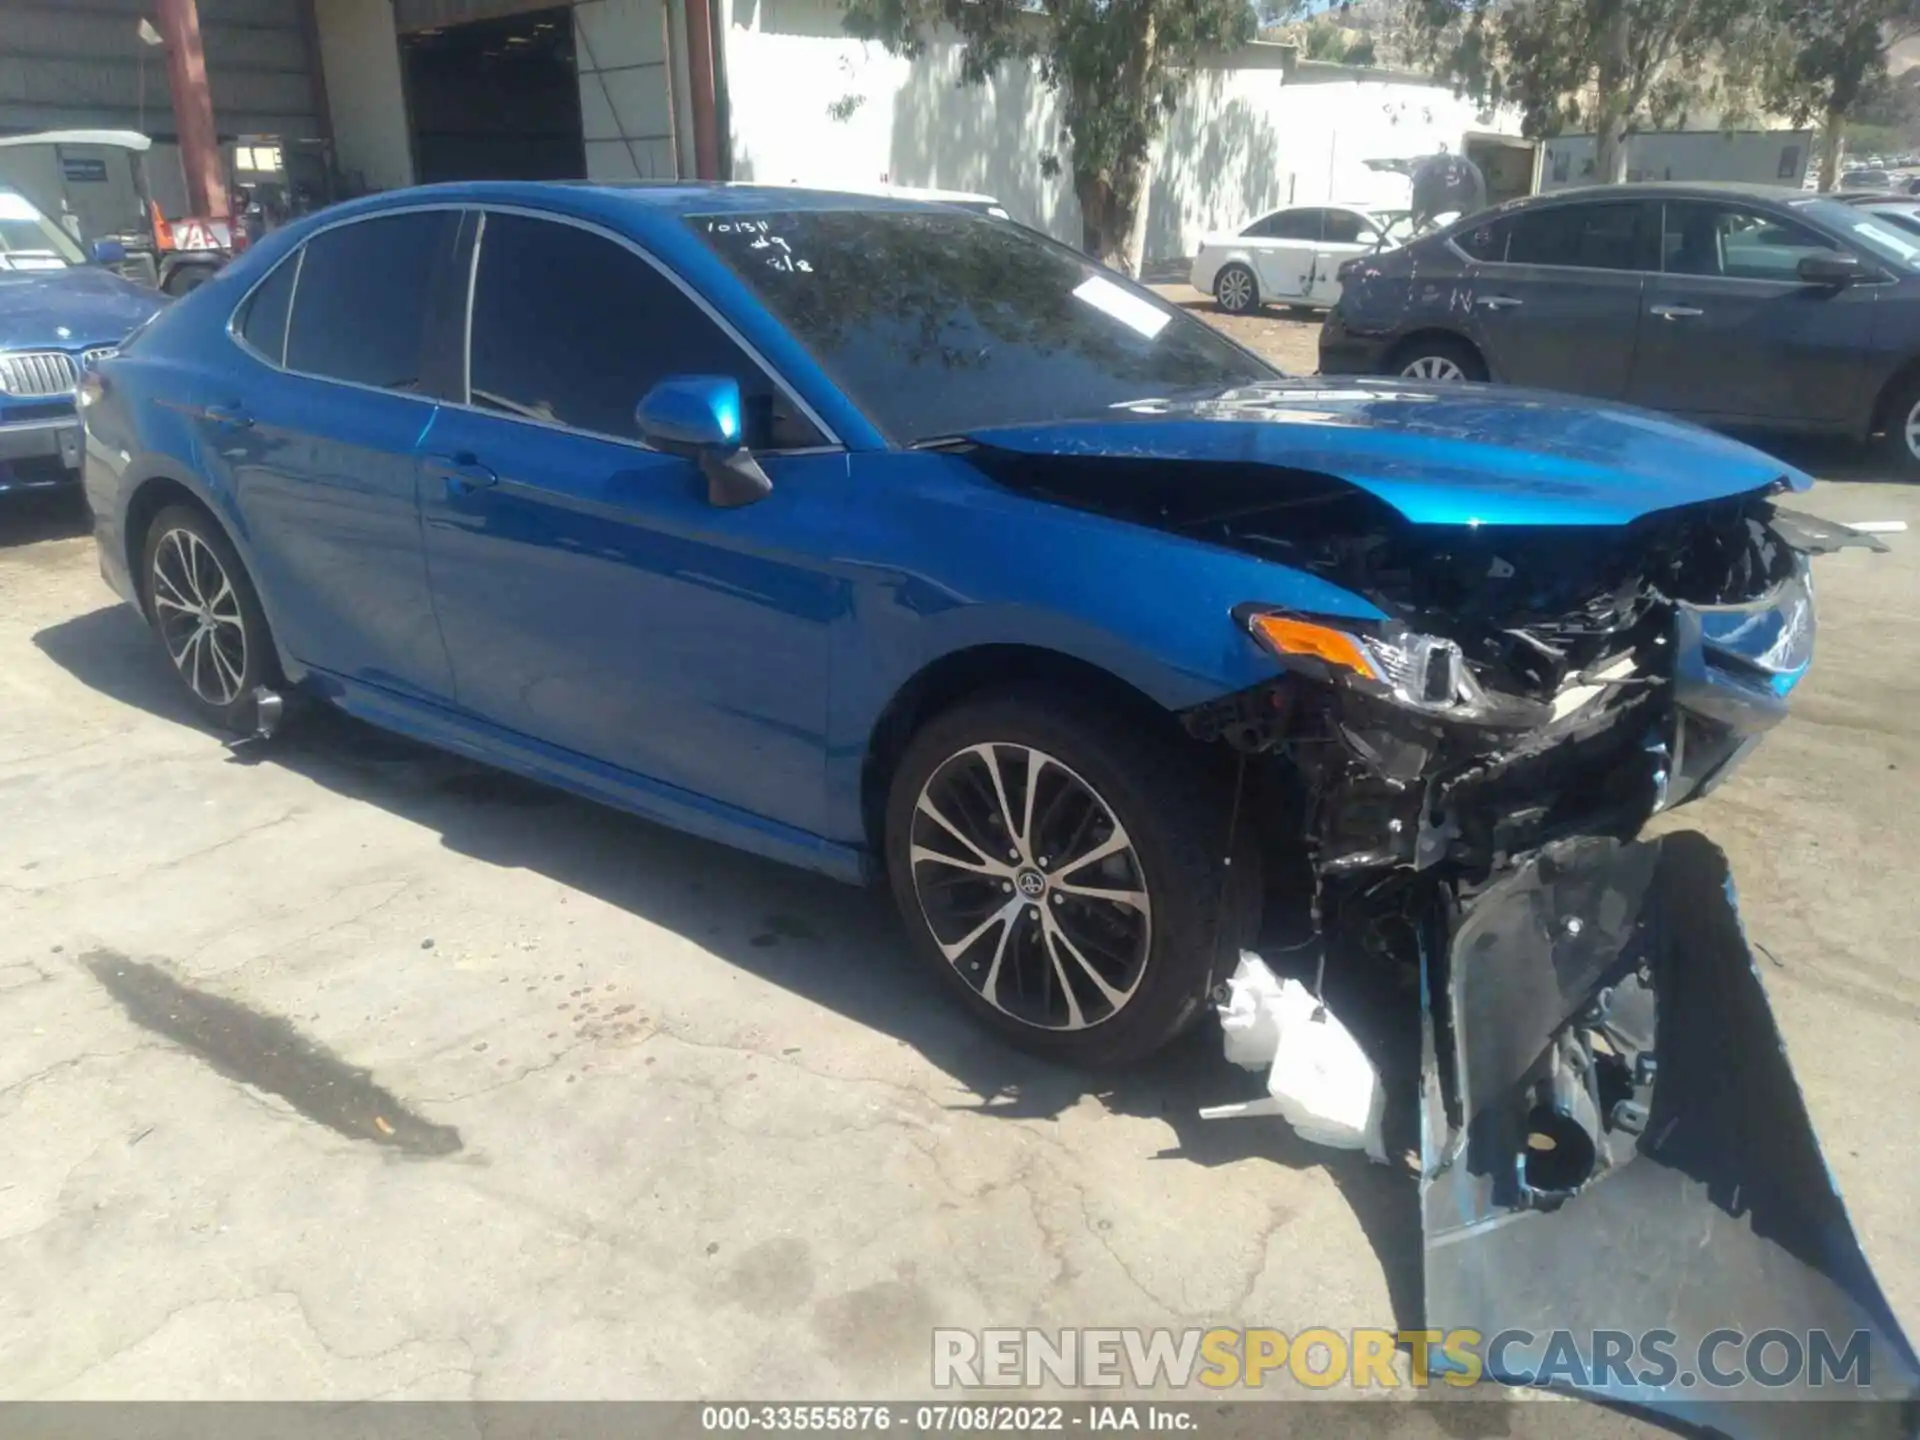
column 1499, row 302
column 1675, row 312
column 462, row 473
column 230, row 416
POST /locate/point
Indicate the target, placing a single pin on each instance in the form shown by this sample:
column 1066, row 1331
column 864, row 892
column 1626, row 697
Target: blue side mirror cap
column 684, row 414
column 108, row 252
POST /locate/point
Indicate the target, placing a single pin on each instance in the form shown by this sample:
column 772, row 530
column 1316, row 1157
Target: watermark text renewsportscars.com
column 1365, row 1359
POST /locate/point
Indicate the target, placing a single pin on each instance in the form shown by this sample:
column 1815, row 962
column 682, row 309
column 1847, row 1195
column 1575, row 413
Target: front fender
column 942, row 560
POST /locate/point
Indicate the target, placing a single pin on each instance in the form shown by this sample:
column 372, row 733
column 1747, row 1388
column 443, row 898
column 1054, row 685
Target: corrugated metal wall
column 70, row 63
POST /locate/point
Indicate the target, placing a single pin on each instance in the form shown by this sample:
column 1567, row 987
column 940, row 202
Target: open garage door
column 495, row 99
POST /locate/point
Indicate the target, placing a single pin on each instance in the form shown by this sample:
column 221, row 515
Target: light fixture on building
column 150, row 37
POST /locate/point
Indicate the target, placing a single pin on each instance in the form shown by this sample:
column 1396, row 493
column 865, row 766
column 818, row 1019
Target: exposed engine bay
column 1599, row 1067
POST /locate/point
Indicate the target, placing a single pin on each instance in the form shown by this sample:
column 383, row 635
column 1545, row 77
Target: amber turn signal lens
column 1286, row 636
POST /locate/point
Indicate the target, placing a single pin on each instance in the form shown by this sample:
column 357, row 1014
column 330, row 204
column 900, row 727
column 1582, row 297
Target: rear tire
column 1092, row 926
column 207, row 615
column 1901, row 442
column 187, row 279
column 1236, row 290
column 1439, row 358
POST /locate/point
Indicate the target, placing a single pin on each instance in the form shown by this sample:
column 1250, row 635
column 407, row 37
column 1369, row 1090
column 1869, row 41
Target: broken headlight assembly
column 1389, row 661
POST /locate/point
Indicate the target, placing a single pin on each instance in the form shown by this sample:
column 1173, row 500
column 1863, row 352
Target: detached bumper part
column 1613, row 1140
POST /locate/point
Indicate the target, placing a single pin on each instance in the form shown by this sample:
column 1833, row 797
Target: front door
column 591, row 597
column 1556, row 301
column 1729, row 332
column 317, row 439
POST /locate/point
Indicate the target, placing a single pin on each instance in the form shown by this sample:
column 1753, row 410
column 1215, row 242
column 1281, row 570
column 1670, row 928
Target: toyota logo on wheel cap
column 1032, row 884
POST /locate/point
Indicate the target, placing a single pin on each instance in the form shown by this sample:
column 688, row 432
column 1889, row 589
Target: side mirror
column 108, row 252
column 1836, row 269
column 699, row 417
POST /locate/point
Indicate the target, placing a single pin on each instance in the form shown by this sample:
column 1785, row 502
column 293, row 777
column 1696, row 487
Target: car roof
column 632, row 199
column 1671, row 190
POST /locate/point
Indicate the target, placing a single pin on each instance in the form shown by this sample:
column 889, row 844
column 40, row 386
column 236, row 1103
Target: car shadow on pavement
column 33, row 516
column 840, row 948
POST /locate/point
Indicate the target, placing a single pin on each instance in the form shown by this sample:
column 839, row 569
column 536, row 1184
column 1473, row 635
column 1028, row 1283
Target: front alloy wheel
column 1031, row 887
column 1058, row 865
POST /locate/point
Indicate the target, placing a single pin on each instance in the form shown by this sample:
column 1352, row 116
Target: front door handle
column 462, row 473
column 1675, row 312
column 230, row 417
column 1499, row 302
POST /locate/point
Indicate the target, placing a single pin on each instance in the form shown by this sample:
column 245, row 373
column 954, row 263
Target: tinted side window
column 1342, row 227
column 1292, row 225
column 1700, row 238
column 571, row 328
column 362, row 303
column 263, row 323
column 1588, row 237
column 1485, row 242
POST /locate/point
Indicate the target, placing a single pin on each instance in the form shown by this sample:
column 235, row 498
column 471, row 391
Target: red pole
column 179, row 22
column 706, row 125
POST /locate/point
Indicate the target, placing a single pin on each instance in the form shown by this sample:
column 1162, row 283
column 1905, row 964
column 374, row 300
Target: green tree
column 1603, row 65
column 1830, row 62
column 1118, row 68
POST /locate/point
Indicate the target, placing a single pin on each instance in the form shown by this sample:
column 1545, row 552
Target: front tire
column 1061, row 870
column 208, row 617
column 1235, row 290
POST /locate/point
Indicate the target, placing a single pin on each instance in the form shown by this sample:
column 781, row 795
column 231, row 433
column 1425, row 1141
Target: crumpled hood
column 93, row 306
column 1440, row 454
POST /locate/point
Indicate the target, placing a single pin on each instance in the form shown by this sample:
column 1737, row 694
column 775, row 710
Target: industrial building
column 401, row 92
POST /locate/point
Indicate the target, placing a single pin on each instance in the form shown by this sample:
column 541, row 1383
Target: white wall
column 625, row 101
column 1749, row 155
column 360, row 59
column 1243, row 140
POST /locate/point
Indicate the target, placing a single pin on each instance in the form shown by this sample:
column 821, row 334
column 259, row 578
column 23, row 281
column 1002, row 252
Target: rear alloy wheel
column 207, row 616
column 1062, row 874
column 1439, row 359
column 1235, row 290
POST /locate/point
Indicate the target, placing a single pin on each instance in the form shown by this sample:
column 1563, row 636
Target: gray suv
column 1743, row 307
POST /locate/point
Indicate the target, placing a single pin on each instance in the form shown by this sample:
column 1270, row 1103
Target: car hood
column 1439, row 454
column 70, row 309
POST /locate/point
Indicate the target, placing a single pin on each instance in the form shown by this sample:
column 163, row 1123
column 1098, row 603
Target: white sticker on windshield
column 15, row 207
column 1129, row 309
column 1887, row 238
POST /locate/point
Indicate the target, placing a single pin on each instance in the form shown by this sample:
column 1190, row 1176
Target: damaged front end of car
column 1612, row 1142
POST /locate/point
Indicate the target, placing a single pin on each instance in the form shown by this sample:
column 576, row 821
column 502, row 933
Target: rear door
column 1729, row 332
column 1283, row 253
column 1556, row 293
column 318, row 437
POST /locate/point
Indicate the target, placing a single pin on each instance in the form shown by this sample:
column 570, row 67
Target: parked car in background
column 1867, row 179
column 58, row 314
column 1292, row 255
column 1900, row 210
column 1744, row 307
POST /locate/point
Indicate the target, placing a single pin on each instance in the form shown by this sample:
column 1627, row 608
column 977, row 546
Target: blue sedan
column 896, row 541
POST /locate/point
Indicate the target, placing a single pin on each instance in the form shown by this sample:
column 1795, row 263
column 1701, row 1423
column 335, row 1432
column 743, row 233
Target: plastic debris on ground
column 1319, row 1080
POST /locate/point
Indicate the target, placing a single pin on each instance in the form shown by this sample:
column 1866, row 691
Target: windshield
column 30, row 241
column 936, row 323
column 1871, row 233
column 1396, row 225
